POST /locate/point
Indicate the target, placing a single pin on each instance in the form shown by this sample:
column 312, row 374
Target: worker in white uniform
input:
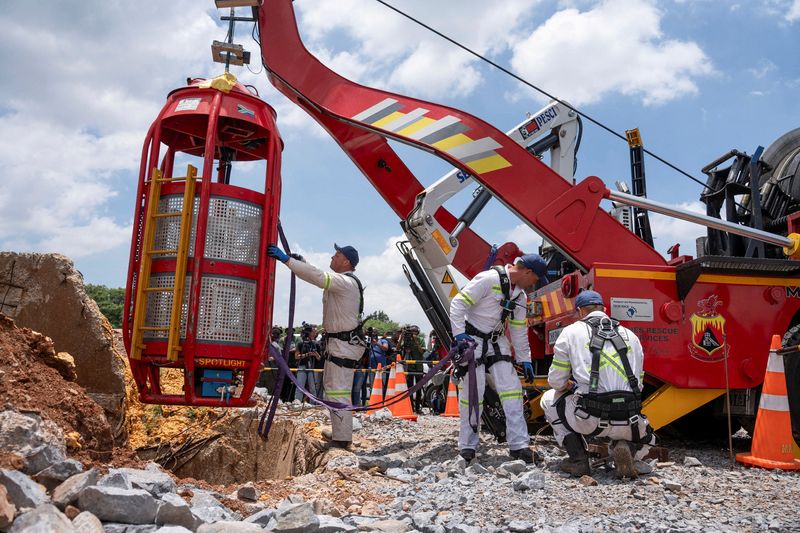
column 342, row 304
column 596, row 379
column 491, row 302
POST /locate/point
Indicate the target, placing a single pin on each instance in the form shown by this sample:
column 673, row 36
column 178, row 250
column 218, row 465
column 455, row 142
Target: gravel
column 404, row 476
column 696, row 489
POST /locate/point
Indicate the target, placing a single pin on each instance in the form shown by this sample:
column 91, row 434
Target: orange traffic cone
column 401, row 409
column 451, row 408
column 390, row 384
column 772, row 437
column 376, row 397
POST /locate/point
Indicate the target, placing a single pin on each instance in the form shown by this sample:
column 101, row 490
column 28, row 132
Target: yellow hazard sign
column 447, row 278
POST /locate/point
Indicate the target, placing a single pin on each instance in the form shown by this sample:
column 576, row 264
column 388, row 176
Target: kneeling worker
column 482, row 309
column 596, row 389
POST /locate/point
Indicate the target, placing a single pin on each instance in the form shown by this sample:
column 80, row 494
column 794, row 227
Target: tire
column 435, row 399
column 783, row 155
column 791, row 364
column 792, row 337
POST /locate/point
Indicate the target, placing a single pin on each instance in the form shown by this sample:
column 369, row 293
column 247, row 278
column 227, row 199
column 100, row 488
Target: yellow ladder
column 181, row 257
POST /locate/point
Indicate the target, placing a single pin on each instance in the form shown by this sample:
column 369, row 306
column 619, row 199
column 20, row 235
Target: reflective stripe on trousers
column 587, row 425
column 509, row 389
column 338, row 383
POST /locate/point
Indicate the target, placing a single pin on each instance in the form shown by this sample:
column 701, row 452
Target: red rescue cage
column 198, row 299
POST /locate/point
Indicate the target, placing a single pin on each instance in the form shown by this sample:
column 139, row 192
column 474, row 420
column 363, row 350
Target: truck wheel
column 792, row 337
column 783, row 156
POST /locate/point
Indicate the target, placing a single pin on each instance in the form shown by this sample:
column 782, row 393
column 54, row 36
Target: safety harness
column 284, row 372
column 507, row 307
column 354, row 336
column 613, row 408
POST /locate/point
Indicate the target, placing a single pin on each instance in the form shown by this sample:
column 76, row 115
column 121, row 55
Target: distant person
column 342, row 305
column 490, row 302
column 309, row 358
column 266, row 378
column 358, row 394
column 377, row 354
column 411, row 352
column 287, row 390
column 596, row 389
column 389, row 349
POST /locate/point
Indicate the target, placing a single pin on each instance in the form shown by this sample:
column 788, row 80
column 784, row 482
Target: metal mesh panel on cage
column 225, row 314
column 233, row 232
column 159, row 307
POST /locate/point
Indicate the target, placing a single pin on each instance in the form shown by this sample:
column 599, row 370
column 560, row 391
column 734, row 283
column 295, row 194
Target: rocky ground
column 60, row 471
column 403, row 476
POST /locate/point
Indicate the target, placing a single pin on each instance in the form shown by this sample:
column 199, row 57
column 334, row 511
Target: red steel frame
column 612, row 259
column 198, row 132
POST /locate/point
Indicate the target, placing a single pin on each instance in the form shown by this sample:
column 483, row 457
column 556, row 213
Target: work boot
column 524, row 453
column 623, row 460
column 577, row 463
column 468, row 454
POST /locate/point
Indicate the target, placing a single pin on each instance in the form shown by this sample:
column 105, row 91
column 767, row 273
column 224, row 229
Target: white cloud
column 390, row 51
column 668, row 231
column 73, row 132
column 764, row 68
column 524, row 237
column 385, row 287
column 793, row 12
column 56, row 184
column 616, row 47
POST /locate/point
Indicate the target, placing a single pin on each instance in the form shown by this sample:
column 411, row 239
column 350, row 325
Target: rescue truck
column 705, row 322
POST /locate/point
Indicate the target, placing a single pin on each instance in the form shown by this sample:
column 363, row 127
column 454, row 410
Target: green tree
column 380, row 321
column 109, row 300
column 378, row 315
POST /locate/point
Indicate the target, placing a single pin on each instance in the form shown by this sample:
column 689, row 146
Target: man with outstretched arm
column 480, row 312
column 342, row 304
column 596, row 379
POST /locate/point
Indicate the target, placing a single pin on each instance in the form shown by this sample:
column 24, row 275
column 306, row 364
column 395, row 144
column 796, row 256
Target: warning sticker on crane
column 187, row 104
column 441, row 241
column 447, row 279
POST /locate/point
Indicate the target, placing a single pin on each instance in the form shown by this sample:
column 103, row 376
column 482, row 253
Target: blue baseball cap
column 349, row 252
column 585, row 298
column 538, row 265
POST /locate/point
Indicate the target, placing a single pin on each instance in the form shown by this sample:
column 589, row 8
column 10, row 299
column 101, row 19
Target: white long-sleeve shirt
column 340, row 302
column 479, row 302
column 572, row 358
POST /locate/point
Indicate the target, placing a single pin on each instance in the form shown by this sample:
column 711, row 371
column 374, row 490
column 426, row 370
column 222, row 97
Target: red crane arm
column 362, row 118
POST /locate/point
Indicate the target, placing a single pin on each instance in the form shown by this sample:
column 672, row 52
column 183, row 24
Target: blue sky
column 83, row 81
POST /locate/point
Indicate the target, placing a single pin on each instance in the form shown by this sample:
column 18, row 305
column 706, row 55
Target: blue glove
column 527, row 371
column 464, row 337
column 277, row 253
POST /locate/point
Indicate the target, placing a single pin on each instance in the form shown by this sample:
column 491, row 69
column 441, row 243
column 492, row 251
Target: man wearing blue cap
column 596, row 379
column 480, row 312
column 342, row 306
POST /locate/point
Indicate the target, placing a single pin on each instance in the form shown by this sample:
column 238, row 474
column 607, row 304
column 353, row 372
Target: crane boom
column 363, row 119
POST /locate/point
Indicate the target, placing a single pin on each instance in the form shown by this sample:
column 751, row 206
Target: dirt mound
column 45, row 292
column 153, row 425
column 32, row 378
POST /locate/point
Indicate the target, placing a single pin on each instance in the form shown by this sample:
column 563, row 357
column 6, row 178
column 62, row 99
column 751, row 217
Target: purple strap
column 472, row 393
column 283, row 367
column 265, row 424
